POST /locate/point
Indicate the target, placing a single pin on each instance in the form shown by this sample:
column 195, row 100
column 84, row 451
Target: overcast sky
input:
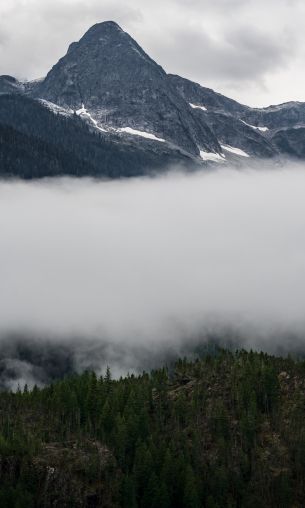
column 251, row 50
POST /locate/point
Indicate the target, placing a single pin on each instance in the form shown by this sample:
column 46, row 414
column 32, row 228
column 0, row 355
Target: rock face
column 155, row 119
column 108, row 74
column 199, row 95
column 290, row 114
column 261, row 132
column 291, row 142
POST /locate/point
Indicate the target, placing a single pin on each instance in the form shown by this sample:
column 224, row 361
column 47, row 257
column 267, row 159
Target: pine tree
column 191, row 497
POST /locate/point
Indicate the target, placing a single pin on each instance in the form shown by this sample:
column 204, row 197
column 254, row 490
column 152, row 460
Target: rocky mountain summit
column 108, row 82
column 106, row 75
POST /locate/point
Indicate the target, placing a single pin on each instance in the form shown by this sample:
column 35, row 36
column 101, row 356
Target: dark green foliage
column 223, row 431
column 36, row 143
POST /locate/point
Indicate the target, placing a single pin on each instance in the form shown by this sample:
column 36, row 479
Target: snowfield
column 211, row 156
column 143, row 134
column 236, row 151
column 55, row 108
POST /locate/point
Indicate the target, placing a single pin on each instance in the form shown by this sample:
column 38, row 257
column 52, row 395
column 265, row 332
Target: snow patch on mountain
column 143, row 134
column 37, row 80
column 58, row 110
column 195, row 106
column 262, row 129
column 211, row 156
column 236, row 151
column 84, row 113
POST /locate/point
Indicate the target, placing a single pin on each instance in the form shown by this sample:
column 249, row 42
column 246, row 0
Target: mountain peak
column 103, row 28
column 95, row 69
column 100, row 32
column 110, row 76
column 106, row 25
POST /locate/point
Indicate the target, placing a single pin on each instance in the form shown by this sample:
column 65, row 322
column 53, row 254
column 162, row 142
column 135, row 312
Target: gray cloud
column 234, row 46
column 134, row 269
column 241, row 56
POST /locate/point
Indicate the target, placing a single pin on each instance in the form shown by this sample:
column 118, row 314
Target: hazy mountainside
column 8, row 84
column 223, row 431
column 34, row 143
column 108, row 82
column 291, row 141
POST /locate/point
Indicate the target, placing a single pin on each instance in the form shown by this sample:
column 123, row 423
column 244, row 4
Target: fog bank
column 146, row 265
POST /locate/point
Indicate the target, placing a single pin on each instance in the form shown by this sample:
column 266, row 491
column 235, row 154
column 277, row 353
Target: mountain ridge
column 108, row 81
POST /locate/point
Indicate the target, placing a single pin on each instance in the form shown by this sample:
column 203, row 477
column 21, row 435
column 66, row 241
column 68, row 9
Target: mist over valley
column 131, row 273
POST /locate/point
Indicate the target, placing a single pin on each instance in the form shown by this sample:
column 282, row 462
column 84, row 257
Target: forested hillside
column 36, row 142
column 223, row 431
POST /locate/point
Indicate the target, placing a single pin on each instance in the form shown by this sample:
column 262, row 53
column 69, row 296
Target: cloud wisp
column 141, row 267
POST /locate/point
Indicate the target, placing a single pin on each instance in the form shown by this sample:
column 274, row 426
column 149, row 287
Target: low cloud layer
column 114, row 272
